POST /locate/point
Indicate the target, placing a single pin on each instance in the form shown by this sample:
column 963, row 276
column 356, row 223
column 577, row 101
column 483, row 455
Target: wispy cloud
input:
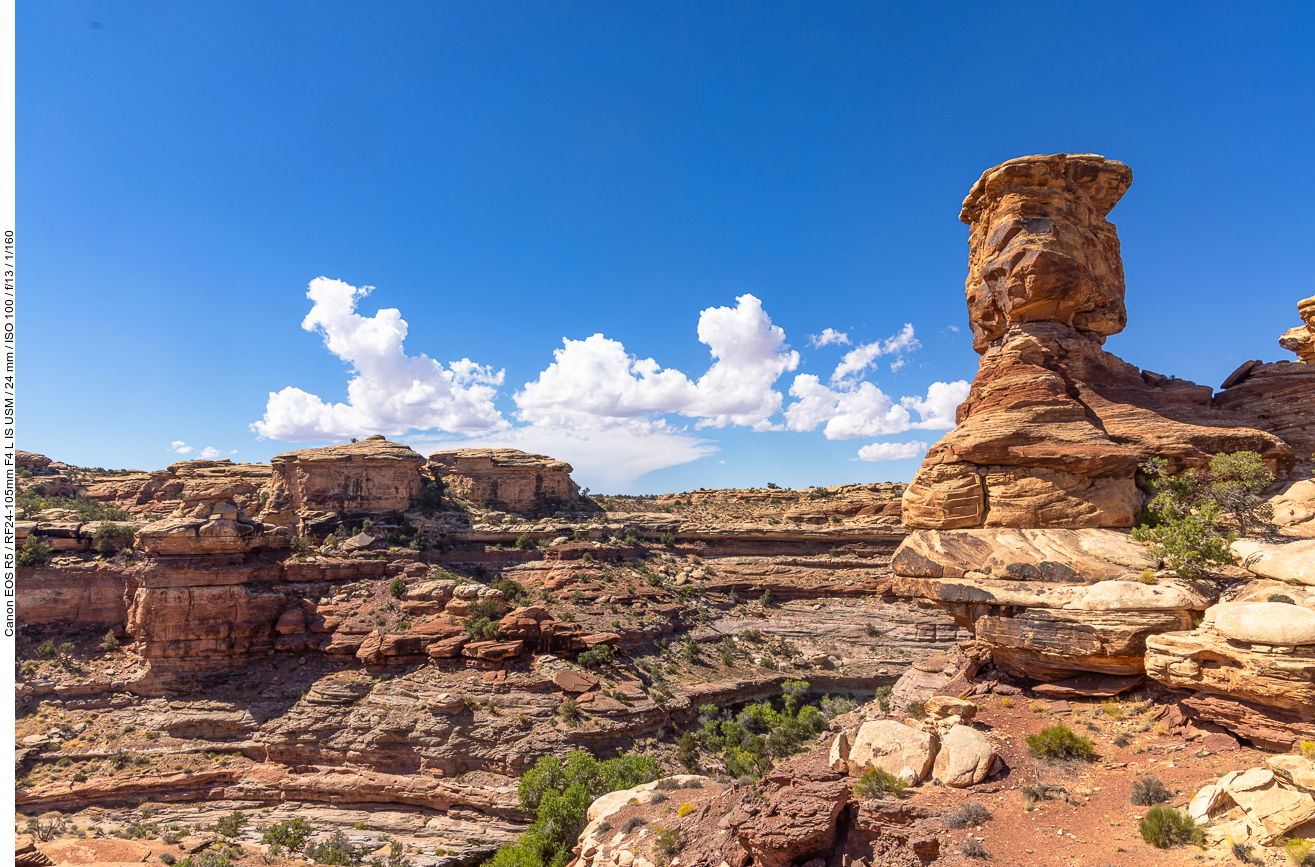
column 891, row 451
column 863, row 356
column 828, row 337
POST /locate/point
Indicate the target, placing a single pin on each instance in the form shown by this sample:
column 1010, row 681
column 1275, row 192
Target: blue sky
column 681, row 179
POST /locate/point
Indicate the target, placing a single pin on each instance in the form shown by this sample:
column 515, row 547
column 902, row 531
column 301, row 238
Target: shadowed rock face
column 1054, row 427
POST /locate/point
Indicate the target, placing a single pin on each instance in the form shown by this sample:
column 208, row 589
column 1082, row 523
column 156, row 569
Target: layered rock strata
column 1049, row 604
column 1250, row 666
column 506, row 479
column 313, row 489
column 1054, row 427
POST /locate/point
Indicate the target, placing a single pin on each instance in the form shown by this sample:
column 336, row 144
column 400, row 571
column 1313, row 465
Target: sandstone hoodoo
column 1054, row 428
column 507, row 479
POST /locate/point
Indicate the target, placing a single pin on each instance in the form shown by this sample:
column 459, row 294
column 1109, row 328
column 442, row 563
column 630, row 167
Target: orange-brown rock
column 1041, row 249
column 1054, row 427
column 374, row 475
column 1279, row 397
column 1301, row 339
column 506, row 479
column 158, row 490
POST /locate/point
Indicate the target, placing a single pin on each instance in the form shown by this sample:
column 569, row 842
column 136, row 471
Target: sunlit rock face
column 1054, row 427
column 506, row 479
column 374, row 475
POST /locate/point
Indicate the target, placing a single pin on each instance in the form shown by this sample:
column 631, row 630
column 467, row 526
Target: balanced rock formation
column 506, row 479
column 1279, row 397
column 313, row 488
column 1054, row 427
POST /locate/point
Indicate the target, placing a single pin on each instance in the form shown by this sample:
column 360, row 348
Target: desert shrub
column 1192, row 518
column 668, row 539
column 33, row 552
column 970, row 814
column 1147, row 791
column 766, row 599
column 658, row 797
column 917, row 708
column 632, row 823
column 511, row 589
column 109, row 538
column 687, row 751
column 837, row 705
column 559, row 792
column 666, row 845
column 301, row 545
column 1280, row 597
column 482, row 618
column 1058, row 742
column 208, row 858
column 336, row 850
column 397, row 587
column 290, row 836
column 1164, row 827
column 1299, row 851
column 524, row 542
column 33, row 500
column 109, row 642
column 167, row 858
column 230, row 825
column 973, row 848
column 876, row 783
column 596, row 656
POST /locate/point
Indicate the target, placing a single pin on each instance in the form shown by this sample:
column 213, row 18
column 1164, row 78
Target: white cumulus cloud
column 863, row 356
column 891, row 451
column 936, row 411
column 594, row 384
column 389, row 392
column 180, row 447
column 828, row 337
column 863, row 410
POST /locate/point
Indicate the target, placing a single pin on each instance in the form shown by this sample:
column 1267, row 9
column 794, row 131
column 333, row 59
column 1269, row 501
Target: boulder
column 1267, row 623
column 838, row 759
column 574, row 681
column 964, row 759
column 1289, row 562
column 797, row 822
column 1250, row 806
column 893, row 747
column 1259, row 691
column 1295, row 771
